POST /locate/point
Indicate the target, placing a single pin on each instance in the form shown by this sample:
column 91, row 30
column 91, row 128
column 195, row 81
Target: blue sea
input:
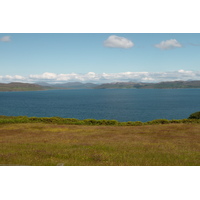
column 120, row 104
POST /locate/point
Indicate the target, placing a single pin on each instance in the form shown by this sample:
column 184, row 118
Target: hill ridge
column 19, row 86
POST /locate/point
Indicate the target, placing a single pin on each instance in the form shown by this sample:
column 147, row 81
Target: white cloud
column 168, row 44
column 15, row 78
column 118, row 42
column 5, row 39
column 44, row 76
column 106, row 77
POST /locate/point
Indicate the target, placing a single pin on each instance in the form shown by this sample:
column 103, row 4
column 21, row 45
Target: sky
column 99, row 57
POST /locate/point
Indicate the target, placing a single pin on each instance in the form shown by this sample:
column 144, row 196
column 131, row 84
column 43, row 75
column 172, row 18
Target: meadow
column 53, row 142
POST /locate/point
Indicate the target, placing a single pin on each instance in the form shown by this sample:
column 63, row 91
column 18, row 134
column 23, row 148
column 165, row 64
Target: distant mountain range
column 161, row 85
column 17, row 86
column 69, row 85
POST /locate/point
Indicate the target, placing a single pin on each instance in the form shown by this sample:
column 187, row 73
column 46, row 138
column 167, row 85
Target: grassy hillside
column 21, row 87
column 50, row 143
column 17, row 86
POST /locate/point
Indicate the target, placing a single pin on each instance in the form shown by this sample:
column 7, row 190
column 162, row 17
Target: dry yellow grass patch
column 50, row 144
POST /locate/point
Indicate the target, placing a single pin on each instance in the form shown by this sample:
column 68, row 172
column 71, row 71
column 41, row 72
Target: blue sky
column 63, row 57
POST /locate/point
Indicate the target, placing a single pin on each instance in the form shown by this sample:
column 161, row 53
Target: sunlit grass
column 50, row 144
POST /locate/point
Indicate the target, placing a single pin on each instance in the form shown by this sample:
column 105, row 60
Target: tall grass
column 48, row 144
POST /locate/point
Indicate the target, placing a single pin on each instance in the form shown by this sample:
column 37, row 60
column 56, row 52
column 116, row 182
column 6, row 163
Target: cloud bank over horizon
column 149, row 77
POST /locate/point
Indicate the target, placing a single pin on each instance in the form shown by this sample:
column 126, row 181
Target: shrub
column 90, row 121
column 106, row 122
column 195, row 115
column 175, row 121
column 129, row 123
column 158, row 121
column 122, row 124
column 46, row 119
column 33, row 119
column 112, row 122
column 190, row 121
column 71, row 121
column 101, row 122
column 136, row 123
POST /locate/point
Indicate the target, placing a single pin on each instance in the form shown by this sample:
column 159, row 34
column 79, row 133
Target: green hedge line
column 72, row 121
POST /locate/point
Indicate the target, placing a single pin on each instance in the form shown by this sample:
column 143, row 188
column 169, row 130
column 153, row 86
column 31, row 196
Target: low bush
column 69, row 121
column 195, row 115
column 189, row 121
column 175, row 121
column 102, row 122
column 112, row 122
column 136, row 123
column 158, row 121
column 73, row 121
column 33, row 119
column 90, row 121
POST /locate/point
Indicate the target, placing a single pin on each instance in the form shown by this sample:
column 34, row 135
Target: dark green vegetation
column 195, row 115
column 40, row 144
column 94, row 122
column 61, row 141
column 21, row 87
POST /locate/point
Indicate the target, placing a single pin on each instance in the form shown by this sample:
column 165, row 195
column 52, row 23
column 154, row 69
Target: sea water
column 119, row 104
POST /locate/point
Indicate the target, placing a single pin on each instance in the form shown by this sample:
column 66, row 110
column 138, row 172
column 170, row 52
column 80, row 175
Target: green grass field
column 48, row 144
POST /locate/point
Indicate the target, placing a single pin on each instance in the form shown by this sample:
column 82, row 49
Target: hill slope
column 17, row 86
column 161, row 85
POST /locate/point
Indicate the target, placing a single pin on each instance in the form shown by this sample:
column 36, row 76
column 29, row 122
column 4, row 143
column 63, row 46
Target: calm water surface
column 120, row 104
